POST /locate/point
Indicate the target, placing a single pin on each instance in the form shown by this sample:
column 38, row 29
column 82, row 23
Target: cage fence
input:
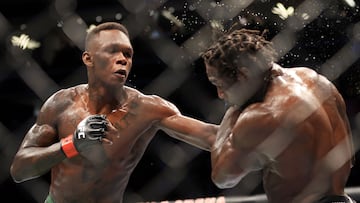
column 41, row 45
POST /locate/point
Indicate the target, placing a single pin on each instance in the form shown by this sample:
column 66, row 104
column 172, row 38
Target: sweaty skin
column 299, row 135
column 101, row 175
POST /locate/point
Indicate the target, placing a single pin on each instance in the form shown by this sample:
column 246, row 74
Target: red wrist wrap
column 68, row 147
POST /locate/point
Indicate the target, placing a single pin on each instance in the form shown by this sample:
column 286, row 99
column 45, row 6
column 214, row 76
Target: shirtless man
column 290, row 123
column 92, row 136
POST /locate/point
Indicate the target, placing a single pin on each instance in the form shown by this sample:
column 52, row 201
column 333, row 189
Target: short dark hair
column 105, row 26
column 236, row 49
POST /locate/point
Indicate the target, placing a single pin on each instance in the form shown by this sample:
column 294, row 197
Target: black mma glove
column 89, row 132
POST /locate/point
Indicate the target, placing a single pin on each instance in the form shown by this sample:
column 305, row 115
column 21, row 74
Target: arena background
column 41, row 45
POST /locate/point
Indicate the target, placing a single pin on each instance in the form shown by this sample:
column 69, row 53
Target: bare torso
column 104, row 179
column 293, row 136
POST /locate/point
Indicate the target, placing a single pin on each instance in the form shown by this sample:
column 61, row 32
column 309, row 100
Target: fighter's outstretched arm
column 192, row 131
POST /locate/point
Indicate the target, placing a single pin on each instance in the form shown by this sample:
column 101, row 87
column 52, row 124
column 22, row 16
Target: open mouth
column 121, row 73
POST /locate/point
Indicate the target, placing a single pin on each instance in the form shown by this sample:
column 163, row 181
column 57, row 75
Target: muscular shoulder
column 160, row 105
column 286, row 104
column 309, row 77
column 59, row 101
column 154, row 104
column 298, row 86
column 293, row 96
column 312, row 87
column 255, row 124
column 64, row 97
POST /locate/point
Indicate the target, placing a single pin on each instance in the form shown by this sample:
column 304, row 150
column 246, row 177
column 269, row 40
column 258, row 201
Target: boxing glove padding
column 89, row 131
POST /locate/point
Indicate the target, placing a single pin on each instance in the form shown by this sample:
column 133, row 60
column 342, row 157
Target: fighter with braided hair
column 290, row 123
column 226, row 53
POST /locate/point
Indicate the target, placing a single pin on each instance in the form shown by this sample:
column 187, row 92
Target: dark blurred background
column 40, row 52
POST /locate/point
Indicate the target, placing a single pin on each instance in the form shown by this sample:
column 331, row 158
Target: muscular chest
column 125, row 121
column 129, row 132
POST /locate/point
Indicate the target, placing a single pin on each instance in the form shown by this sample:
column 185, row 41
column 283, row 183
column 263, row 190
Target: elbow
column 222, row 182
column 15, row 174
column 18, row 173
column 218, row 184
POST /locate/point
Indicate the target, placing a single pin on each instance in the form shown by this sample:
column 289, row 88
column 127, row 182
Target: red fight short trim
column 68, row 147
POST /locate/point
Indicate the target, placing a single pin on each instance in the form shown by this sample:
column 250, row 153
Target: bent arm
column 40, row 149
column 231, row 165
column 235, row 153
column 37, row 154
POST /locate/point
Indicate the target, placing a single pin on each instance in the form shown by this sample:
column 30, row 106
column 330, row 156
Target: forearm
column 204, row 136
column 201, row 136
column 32, row 162
column 190, row 140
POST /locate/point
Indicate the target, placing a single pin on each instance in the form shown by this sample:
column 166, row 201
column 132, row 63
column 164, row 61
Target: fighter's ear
column 87, row 59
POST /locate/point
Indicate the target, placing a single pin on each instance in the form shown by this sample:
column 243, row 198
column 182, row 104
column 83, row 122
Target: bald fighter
column 91, row 136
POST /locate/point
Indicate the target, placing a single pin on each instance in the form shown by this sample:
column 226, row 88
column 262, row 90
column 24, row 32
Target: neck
column 260, row 94
column 104, row 101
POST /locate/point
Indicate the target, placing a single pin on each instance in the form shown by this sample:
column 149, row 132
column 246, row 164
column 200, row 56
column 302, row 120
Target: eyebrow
column 122, row 46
